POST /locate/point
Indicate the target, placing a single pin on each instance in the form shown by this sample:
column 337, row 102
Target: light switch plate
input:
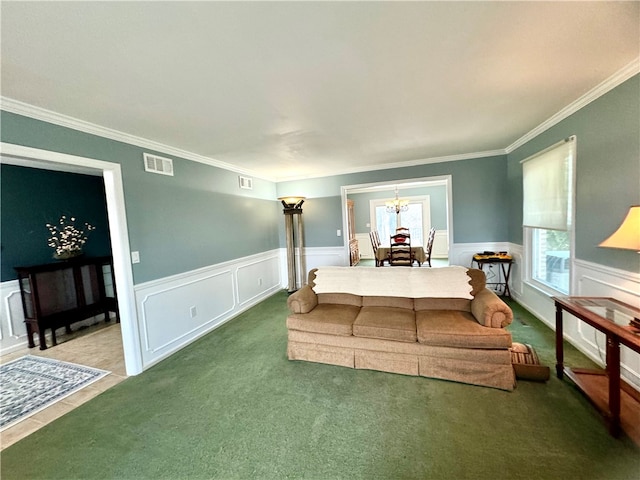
column 135, row 257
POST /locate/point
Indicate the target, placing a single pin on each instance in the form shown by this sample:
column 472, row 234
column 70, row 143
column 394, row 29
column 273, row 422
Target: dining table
column 417, row 253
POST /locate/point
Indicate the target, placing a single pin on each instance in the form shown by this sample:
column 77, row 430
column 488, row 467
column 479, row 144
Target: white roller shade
column 546, row 180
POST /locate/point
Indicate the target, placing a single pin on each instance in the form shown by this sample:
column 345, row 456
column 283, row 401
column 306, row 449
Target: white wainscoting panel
column 440, row 244
column 364, row 246
column 253, row 277
column 595, row 280
column 314, row 257
column 590, row 279
column 176, row 310
column 517, row 270
column 13, row 332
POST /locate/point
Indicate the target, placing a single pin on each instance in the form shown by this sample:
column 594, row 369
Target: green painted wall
column 30, row 198
column 437, row 198
column 177, row 223
column 479, row 190
column 607, row 172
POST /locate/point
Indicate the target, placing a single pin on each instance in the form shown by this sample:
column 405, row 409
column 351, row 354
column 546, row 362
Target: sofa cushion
column 397, row 302
column 325, row 318
column 448, row 328
column 386, row 323
column 442, row 304
column 340, row 299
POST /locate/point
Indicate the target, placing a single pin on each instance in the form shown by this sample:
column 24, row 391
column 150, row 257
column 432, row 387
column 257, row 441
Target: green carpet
column 231, row 406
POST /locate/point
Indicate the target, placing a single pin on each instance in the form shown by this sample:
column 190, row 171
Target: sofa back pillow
column 340, row 299
column 461, row 304
column 396, row 302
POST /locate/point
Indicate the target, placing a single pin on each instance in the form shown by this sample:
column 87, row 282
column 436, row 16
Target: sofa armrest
column 302, row 301
column 490, row 310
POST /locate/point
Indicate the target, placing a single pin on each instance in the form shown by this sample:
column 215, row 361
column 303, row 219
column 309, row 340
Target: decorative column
column 292, row 216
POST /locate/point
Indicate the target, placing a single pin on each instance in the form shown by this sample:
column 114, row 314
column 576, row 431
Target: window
column 547, row 215
column 417, row 218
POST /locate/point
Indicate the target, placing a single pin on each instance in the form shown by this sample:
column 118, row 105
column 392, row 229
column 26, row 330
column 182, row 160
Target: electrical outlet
column 193, row 312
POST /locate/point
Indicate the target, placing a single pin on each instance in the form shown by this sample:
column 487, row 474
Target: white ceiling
column 293, row 89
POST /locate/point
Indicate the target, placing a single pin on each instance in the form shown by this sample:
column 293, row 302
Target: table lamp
column 627, row 236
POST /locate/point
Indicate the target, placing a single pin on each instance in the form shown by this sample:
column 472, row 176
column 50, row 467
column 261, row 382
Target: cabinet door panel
column 56, row 291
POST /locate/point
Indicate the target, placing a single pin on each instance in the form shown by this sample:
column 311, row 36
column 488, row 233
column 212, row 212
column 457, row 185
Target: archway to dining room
column 371, row 208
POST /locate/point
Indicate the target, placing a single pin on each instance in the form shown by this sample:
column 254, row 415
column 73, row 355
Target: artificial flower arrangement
column 66, row 238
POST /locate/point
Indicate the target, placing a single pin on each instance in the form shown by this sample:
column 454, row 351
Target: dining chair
column 375, row 245
column 377, row 235
column 400, row 250
column 429, row 246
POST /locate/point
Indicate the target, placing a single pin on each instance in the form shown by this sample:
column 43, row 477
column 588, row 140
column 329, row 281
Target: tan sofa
column 458, row 339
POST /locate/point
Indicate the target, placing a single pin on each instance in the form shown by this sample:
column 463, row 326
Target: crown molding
column 622, row 75
column 410, row 163
column 38, row 113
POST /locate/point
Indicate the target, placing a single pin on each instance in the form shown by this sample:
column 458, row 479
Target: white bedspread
column 444, row 282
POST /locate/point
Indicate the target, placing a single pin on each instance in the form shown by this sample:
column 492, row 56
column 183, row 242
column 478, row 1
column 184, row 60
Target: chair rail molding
column 175, row 311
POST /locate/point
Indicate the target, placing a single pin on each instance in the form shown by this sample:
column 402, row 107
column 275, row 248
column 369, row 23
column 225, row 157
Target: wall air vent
column 156, row 164
column 246, row 182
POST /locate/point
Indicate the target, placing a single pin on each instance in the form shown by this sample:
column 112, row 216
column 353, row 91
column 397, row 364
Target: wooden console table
column 617, row 401
column 55, row 295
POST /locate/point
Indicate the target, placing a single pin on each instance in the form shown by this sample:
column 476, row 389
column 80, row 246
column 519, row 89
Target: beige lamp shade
column 627, row 236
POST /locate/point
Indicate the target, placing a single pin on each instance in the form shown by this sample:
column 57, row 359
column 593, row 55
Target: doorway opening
column 428, row 204
column 112, row 177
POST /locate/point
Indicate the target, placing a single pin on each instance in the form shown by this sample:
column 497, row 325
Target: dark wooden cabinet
column 55, row 295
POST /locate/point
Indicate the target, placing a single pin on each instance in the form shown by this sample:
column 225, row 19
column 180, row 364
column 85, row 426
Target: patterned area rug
column 30, row 384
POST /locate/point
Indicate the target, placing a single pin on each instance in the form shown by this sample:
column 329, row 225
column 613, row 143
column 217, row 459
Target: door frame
column 116, row 210
column 446, row 180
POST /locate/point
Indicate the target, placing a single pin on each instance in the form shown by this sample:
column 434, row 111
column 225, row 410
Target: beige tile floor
column 98, row 346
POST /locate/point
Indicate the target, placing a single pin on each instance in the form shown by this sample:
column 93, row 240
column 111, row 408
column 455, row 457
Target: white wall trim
column 314, row 257
column 12, row 328
column 14, row 106
column 622, row 75
column 169, row 288
column 38, row 113
column 219, row 293
column 162, row 307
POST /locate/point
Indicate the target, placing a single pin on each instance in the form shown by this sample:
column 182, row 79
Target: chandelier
column 396, row 205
